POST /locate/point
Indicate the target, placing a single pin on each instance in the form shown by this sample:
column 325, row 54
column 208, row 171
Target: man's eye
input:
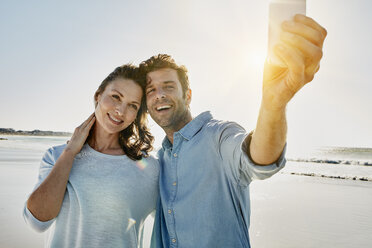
column 149, row 91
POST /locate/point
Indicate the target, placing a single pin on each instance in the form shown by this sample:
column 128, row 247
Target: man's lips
column 114, row 120
column 163, row 107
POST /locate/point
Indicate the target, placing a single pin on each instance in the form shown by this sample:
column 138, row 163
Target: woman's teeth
column 114, row 119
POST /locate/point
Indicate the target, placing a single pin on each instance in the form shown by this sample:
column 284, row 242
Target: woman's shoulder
column 51, row 155
column 149, row 163
column 55, row 151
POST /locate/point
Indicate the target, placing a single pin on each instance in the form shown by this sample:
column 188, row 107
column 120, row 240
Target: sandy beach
column 16, row 181
column 300, row 211
column 287, row 210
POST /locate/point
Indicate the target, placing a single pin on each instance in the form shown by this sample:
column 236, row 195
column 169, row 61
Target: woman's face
column 117, row 105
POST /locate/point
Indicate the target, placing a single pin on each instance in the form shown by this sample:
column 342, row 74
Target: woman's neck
column 104, row 142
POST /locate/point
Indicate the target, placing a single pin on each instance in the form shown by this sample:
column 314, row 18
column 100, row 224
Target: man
column 206, row 164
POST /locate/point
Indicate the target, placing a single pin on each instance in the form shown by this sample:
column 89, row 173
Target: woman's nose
column 120, row 109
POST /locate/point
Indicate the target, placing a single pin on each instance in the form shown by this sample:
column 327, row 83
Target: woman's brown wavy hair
column 136, row 140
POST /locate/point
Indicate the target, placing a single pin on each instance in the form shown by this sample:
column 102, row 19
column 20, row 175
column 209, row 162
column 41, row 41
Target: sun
column 256, row 58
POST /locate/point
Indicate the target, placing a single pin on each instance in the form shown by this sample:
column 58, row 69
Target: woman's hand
column 80, row 135
column 46, row 201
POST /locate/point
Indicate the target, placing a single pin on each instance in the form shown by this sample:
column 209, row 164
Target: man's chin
column 163, row 123
column 160, row 120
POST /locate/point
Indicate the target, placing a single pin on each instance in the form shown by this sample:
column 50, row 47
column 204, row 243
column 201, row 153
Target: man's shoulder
column 216, row 126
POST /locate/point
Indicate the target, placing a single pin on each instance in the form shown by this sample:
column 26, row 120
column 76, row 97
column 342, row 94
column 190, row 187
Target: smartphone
column 279, row 11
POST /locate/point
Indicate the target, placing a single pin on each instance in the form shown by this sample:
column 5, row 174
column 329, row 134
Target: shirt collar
column 191, row 128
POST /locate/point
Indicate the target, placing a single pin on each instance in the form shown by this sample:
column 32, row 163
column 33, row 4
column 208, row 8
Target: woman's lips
column 114, row 120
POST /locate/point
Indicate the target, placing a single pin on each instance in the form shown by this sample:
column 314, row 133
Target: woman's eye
column 149, row 91
column 116, row 97
column 134, row 106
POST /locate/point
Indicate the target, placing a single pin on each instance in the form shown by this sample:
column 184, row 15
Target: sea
column 320, row 199
column 350, row 163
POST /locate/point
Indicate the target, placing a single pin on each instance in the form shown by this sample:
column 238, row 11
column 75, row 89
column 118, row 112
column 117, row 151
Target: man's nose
column 160, row 94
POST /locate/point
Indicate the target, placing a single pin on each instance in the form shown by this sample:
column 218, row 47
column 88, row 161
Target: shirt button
column 174, row 240
column 174, row 183
column 175, row 155
column 169, row 211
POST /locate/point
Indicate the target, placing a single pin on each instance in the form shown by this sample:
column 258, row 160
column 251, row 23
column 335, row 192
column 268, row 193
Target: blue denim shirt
column 204, row 186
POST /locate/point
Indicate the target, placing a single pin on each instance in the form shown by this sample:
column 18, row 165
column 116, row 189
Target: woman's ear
column 97, row 98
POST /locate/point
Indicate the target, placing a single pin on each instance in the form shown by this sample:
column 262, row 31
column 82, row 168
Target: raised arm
column 45, row 202
column 301, row 49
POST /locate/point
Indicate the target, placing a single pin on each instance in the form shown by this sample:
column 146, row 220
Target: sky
column 54, row 55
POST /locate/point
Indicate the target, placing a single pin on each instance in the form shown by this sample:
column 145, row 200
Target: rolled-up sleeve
column 46, row 166
column 233, row 143
column 34, row 223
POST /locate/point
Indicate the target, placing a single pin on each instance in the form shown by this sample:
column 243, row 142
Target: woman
column 99, row 188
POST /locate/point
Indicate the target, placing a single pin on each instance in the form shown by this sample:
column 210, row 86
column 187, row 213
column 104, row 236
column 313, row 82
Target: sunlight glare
column 255, row 59
column 131, row 222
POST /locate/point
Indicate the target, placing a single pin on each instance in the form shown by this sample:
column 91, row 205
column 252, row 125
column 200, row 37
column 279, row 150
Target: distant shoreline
column 36, row 132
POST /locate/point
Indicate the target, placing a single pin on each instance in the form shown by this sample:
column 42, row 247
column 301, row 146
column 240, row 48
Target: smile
column 163, row 107
column 114, row 120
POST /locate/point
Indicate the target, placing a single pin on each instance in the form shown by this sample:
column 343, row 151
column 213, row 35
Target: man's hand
column 300, row 49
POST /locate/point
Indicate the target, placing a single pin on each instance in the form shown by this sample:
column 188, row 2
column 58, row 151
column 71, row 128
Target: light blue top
column 106, row 202
column 204, row 186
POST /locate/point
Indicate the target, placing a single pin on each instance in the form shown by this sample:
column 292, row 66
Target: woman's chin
column 108, row 129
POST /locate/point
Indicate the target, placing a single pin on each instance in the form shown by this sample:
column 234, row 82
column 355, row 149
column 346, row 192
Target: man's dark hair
column 162, row 61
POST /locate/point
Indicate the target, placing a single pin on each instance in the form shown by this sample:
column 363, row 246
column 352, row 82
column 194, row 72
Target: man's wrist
column 274, row 114
column 270, row 106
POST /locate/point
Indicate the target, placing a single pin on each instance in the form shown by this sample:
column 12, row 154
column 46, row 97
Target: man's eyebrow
column 149, row 84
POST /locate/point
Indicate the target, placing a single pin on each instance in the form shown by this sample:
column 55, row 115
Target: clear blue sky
column 54, row 54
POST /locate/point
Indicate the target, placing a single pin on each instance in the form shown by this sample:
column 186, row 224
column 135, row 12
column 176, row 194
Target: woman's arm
column 45, row 202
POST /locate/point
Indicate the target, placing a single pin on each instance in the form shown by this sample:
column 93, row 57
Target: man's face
column 165, row 100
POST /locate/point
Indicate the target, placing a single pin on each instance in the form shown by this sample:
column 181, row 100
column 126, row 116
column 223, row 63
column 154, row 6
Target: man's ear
column 188, row 97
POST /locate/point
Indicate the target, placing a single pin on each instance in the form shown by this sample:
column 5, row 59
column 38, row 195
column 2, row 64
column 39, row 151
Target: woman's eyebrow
column 134, row 101
column 118, row 92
